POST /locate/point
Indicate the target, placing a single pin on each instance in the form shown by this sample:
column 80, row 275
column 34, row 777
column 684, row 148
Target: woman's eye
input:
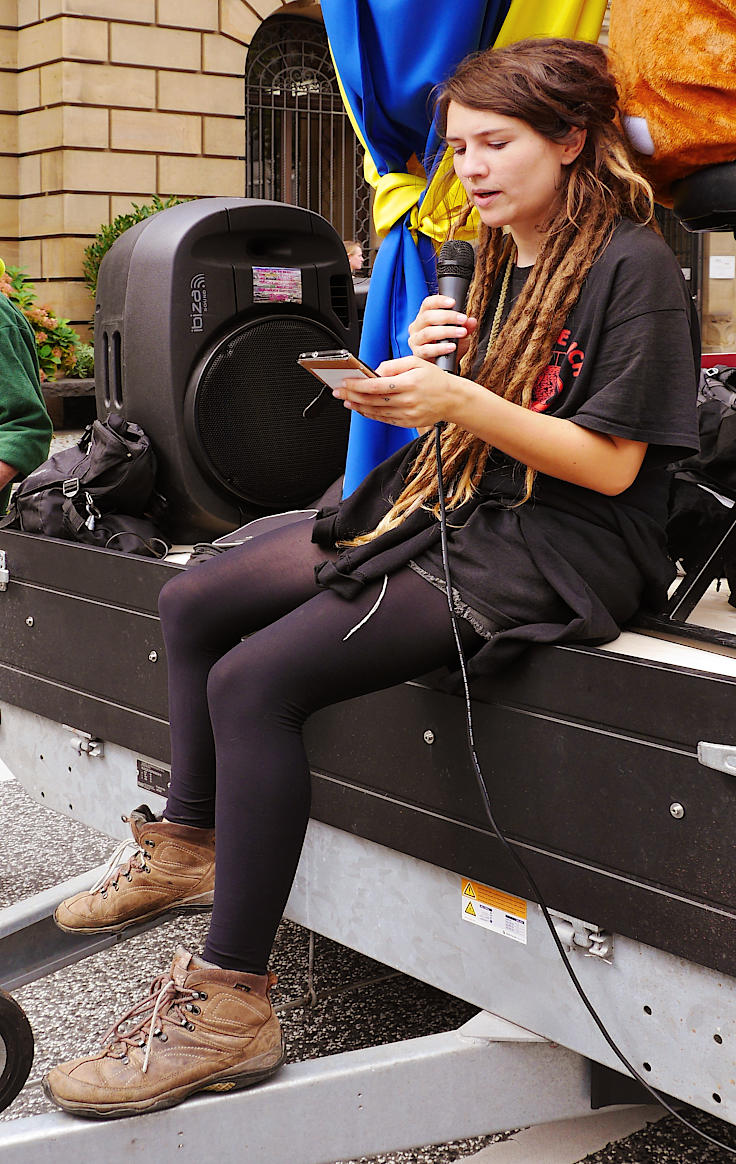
column 458, row 151
column 497, row 145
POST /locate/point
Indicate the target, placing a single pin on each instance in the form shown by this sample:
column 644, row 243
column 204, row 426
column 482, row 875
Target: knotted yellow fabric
column 398, row 193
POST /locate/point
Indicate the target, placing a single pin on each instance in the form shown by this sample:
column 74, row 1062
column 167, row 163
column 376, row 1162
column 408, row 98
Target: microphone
column 454, row 272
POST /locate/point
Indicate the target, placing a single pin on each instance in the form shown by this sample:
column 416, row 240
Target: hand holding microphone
column 441, row 332
column 409, row 391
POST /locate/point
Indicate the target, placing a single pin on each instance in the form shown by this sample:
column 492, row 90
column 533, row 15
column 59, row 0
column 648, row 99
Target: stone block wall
column 104, row 103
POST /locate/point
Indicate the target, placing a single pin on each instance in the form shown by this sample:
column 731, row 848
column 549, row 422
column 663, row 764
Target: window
column 688, row 250
column 300, row 146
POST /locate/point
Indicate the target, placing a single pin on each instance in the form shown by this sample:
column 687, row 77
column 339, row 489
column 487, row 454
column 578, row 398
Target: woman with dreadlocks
column 576, row 388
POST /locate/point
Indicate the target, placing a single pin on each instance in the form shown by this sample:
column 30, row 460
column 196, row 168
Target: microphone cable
column 525, row 871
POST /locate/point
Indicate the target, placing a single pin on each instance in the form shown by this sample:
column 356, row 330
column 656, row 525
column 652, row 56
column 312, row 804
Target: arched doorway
column 300, row 146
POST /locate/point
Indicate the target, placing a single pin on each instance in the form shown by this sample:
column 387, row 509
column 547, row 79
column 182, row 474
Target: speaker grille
column 260, row 425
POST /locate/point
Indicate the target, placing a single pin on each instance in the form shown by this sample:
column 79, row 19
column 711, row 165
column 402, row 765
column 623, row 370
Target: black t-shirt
column 623, row 364
column 570, row 563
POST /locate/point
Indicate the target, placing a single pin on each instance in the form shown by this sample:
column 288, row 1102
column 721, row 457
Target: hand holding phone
column 381, row 398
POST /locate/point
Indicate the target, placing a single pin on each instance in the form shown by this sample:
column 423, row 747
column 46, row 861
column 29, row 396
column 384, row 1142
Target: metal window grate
column 300, row 146
column 688, row 248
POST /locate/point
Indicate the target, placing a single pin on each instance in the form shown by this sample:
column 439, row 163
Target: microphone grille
column 456, row 258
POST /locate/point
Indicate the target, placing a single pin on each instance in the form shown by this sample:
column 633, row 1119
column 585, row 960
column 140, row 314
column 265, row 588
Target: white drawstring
column 371, row 612
column 311, row 404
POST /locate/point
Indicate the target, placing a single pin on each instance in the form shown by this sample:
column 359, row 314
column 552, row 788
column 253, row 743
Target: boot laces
column 164, row 1002
column 127, row 857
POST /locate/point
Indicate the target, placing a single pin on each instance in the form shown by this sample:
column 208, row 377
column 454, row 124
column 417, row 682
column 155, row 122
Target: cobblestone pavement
column 70, row 1009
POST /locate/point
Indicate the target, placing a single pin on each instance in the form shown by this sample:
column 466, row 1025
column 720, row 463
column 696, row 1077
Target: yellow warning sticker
column 494, row 910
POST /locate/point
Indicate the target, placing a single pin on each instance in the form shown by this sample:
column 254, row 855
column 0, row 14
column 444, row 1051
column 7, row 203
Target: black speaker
column 201, row 313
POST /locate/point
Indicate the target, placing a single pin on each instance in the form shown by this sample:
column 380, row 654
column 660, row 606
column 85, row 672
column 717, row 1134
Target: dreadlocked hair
column 557, row 86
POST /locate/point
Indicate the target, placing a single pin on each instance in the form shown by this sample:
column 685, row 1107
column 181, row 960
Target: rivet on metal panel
column 29, row 620
column 429, row 737
column 677, row 810
column 153, row 656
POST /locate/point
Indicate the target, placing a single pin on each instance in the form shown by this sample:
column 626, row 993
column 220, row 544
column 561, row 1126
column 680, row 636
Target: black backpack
column 703, row 489
column 98, row 492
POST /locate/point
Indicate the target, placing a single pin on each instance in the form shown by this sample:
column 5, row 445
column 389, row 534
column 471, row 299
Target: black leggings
column 237, row 707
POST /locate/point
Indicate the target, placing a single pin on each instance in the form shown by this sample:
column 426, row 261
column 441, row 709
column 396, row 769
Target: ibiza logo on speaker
column 198, row 307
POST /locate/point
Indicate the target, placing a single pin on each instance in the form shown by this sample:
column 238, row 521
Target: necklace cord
column 498, row 313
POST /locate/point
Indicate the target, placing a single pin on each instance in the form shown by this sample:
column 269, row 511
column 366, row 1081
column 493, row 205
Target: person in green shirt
column 25, row 428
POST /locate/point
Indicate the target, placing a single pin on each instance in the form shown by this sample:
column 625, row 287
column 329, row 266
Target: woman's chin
column 491, row 214
column 492, row 218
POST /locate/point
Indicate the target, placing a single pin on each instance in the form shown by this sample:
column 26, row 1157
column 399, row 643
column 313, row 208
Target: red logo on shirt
column 549, row 383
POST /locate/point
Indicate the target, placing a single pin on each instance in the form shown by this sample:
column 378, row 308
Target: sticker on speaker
column 277, row 285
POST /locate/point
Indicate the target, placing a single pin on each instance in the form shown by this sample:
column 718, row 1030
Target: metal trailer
column 611, row 770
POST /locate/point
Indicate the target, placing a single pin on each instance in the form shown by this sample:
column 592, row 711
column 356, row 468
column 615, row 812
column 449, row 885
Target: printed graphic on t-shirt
column 566, row 356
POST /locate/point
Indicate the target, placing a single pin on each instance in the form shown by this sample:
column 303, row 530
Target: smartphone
column 334, row 367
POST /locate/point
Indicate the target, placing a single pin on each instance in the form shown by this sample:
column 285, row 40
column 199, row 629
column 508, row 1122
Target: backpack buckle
column 70, row 487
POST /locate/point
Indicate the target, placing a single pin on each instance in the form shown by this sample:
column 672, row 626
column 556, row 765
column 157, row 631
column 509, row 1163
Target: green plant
column 107, row 234
column 57, row 343
column 85, row 365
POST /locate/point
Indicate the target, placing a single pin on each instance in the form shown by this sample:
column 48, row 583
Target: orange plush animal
column 675, row 62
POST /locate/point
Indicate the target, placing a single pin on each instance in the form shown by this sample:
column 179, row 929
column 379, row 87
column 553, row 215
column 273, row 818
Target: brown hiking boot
column 168, row 866
column 198, row 1029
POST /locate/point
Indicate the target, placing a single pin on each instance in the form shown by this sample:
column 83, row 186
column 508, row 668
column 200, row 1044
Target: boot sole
column 223, row 1081
column 198, row 904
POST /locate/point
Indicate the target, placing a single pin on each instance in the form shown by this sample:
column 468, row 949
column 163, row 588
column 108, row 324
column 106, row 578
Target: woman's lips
column 484, row 197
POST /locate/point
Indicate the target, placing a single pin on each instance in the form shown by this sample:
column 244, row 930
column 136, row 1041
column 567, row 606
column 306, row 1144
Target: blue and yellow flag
column 389, row 55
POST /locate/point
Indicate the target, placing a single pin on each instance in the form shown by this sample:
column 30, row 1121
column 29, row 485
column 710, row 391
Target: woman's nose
column 470, row 164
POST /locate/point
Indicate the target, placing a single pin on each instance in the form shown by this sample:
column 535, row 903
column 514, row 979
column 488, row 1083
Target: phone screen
column 334, row 377
column 333, row 368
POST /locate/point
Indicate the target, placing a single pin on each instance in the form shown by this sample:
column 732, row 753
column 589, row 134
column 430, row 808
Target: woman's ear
column 573, row 144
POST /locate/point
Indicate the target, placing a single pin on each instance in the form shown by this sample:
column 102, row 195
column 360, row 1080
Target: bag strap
column 86, row 438
column 73, row 520
column 12, row 519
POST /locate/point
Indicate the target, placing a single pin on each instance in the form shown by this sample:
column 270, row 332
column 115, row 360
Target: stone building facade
column 107, row 102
